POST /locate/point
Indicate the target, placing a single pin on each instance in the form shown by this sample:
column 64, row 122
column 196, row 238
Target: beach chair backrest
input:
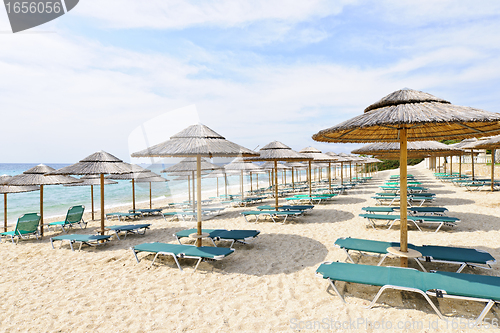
column 75, row 214
column 28, row 223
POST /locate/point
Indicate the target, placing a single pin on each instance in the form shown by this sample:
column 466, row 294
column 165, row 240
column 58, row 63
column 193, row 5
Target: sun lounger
column 128, row 229
column 272, row 214
column 415, row 219
column 287, row 207
column 147, row 211
column 430, row 253
column 412, row 210
column 177, row 251
column 73, row 216
column 91, row 240
column 184, row 216
column 234, row 236
column 26, row 226
column 411, row 199
column 468, row 287
column 123, row 216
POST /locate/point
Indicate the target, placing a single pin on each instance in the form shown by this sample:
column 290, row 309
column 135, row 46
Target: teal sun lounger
column 73, row 216
column 273, row 214
column 469, row 287
column 415, row 219
column 26, row 226
column 181, row 251
column 139, row 229
column 91, row 240
column 233, row 236
column 430, row 253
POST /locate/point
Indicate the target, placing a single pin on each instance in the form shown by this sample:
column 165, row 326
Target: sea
column 58, row 198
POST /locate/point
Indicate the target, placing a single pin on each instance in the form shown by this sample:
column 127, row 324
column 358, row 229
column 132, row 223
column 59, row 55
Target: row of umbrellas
column 402, row 116
column 411, row 115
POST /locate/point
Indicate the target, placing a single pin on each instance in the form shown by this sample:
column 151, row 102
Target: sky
column 254, row 71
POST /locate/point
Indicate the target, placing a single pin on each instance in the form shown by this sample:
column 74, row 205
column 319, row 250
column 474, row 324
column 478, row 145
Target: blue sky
column 254, row 71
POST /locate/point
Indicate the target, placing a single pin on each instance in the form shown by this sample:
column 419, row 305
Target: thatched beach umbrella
column 196, row 141
column 460, row 145
column 269, row 165
column 91, row 180
column 239, row 164
column 37, row 176
column 295, row 166
column 100, row 163
column 493, row 144
column 6, row 189
column 410, row 115
column 137, row 172
column 154, row 178
column 189, row 165
column 276, row 151
column 341, row 160
column 217, row 174
column 471, row 146
column 318, row 156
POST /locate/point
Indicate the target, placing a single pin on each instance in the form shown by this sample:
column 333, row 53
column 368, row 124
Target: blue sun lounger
column 128, row 229
column 147, row 211
column 415, row 219
column 430, row 253
column 469, row 287
column 287, row 207
column 181, row 251
column 234, row 236
column 91, row 240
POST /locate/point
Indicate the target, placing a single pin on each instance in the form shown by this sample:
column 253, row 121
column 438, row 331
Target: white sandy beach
column 266, row 286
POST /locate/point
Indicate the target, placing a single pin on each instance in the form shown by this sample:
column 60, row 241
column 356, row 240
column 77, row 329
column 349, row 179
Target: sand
column 266, row 286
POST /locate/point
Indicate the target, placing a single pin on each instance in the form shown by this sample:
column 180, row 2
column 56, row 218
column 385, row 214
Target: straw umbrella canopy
column 341, row 160
column 276, row 151
column 6, row 189
column 100, row 163
column 239, row 164
column 217, row 174
column 189, row 165
column 139, row 175
column 472, row 146
column 91, row 180
column 137, row 172
column 318, row 156
column 492, row 143
column 37, row 176
column 461, row 145
column 153, row 178
column 410, row 115
column 196, row 141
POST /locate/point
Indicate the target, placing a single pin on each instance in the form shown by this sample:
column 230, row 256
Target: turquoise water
column 58, row 198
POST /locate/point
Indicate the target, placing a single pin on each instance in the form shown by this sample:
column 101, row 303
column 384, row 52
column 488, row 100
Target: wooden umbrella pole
column 150, row 197
column 341, row 173
column 460, row 167
column 403, row 195
column 102, row 204
column 293, row 181
column 492, row 168
column 92, row 199
column 257, row 180
column 350, row 171
column 198, row 197
column 133, row 195
column 444, row 164
column 5, row 212
column 225, row 185
column 451, row 165
column 251, row 182
column 472, row 158
column 41, row 210
column 241, row 186
column 330, row 176
column 310, row 180
column 194, row 201
column 276, row 184
column 285, row 175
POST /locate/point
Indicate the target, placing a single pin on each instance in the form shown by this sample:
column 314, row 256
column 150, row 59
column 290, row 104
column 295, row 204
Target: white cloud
column 178, row 14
